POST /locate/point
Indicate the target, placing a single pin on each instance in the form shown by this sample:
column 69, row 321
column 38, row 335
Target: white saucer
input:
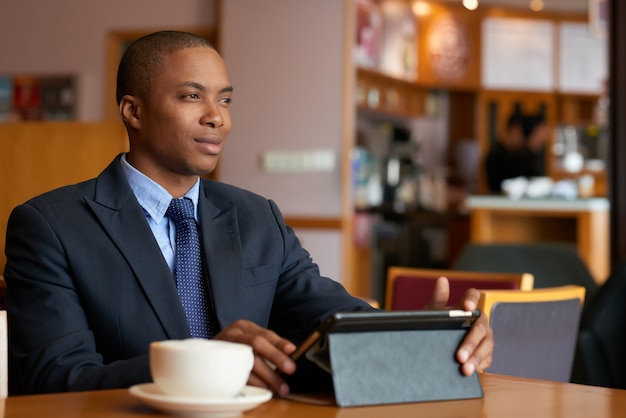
column 250, row 397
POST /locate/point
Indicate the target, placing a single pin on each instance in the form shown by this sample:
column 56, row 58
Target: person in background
column 503, row 160
column 519, row 152
column 536, row 136
column 91, row 268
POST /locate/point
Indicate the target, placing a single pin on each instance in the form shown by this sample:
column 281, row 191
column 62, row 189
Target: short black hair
column 144, row 57
column 515, row 119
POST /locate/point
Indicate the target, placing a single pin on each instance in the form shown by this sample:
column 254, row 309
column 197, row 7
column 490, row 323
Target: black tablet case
column 395, row 366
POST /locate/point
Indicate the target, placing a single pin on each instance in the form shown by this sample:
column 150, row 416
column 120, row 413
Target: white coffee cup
column 200, row 368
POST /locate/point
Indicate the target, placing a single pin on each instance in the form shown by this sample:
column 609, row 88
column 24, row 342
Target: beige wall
column 286, row 68
column 69, row 36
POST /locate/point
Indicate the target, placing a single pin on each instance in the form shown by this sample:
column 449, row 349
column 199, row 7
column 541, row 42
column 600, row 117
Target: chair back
column 410, row 288
column 534, row 331
column 552, row 263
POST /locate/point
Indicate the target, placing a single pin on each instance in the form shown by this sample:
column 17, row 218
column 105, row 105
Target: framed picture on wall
column 369, row 27
column 598, row 17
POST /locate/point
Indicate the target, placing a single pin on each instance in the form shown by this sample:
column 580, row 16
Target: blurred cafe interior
column 383, row 115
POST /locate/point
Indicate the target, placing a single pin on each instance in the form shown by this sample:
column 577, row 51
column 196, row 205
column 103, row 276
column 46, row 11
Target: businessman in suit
column 91, row 267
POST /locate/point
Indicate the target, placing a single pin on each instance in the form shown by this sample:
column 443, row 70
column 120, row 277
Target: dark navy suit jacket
column 88, row 288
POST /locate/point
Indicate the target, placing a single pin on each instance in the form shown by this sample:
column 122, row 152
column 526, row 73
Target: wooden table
column 504, row 397
column 585, row 222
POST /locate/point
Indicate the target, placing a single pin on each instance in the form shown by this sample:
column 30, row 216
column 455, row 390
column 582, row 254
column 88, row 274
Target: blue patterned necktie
column 190, row 283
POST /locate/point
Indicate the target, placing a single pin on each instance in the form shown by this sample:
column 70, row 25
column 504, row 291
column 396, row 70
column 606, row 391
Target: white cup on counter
column 200, row 368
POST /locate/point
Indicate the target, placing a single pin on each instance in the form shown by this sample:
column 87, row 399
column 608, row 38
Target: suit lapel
column 222, row 249
column 121, row 215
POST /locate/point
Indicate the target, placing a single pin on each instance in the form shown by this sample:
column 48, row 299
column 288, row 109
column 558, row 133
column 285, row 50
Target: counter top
column 583, row 222
column 546, row 204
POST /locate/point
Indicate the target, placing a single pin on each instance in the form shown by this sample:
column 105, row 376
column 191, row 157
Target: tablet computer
column 385, row 321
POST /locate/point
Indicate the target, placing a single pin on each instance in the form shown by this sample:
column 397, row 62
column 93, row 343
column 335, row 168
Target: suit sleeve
column 304, row 298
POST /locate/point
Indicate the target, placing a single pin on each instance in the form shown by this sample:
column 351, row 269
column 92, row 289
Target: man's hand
column 476, row 350
column 271, row 354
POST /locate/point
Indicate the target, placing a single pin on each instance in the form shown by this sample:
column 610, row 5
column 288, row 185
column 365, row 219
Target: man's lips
column 212, row 145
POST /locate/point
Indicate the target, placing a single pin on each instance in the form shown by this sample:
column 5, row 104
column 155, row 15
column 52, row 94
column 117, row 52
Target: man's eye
column 193, row 96
column 225, row 100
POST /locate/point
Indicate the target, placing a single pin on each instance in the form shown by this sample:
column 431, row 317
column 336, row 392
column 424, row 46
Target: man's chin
column 207, row 170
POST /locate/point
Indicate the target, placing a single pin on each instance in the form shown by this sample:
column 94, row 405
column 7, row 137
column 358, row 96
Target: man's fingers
column 470, row 299
column 263, row 375
column 475, row 352
column 441, row 294
column 271, row 354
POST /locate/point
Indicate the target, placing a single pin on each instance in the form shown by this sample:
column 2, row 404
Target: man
column 519, row 153
column 90, row 267
column 505, row 158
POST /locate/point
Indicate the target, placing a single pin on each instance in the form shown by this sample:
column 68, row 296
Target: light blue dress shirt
column 155, row 200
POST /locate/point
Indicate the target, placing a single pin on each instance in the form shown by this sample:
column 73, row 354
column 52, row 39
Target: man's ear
column 130, row 111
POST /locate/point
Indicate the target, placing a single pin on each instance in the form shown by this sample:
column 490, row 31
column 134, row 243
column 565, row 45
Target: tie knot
column 180, row 210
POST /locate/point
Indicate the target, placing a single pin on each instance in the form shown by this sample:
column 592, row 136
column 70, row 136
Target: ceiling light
column 536, row 5
column 421, row 8
column 470, row 4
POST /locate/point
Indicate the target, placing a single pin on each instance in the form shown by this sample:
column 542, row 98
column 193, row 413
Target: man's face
column 184, row 119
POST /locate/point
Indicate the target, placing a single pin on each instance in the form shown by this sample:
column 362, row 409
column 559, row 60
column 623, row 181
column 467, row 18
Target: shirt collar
column 152, row 197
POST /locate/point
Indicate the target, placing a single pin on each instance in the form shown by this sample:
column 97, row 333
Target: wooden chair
column 372, row 302
column 535, row 331
column 410, row 288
